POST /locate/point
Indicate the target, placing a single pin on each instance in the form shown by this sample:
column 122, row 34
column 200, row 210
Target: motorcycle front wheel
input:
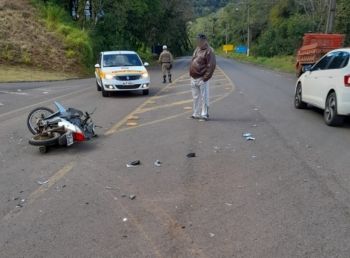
column 45, row 139
column 35, row 115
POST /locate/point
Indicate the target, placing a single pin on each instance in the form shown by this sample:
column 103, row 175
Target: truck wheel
column 331, row 116
column 299, row 70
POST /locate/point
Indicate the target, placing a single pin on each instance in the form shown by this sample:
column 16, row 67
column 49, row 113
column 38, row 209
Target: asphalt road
column 286, row 194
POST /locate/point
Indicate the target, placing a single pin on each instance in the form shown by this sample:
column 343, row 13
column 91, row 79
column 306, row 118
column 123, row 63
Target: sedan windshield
column 113, row 60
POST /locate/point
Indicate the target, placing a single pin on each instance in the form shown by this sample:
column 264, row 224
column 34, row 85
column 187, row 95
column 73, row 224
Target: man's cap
column 201, row 36
column 165, row 47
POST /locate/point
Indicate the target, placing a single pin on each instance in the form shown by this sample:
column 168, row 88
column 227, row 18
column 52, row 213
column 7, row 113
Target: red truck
column 316, row 45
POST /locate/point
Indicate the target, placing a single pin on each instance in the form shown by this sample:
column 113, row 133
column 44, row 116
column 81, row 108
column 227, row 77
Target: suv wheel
column 331, row 116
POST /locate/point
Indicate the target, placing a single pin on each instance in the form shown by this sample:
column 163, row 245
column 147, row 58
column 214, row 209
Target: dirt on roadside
column 25, row 41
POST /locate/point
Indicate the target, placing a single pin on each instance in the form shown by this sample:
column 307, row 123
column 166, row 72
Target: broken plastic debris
column 132, row 197
column 42, row 182
column 158, row 163
column 191, row 155
column 250, row 139
column 133, row 164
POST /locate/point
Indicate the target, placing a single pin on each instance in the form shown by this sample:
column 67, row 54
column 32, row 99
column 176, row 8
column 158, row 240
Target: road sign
column 228, row 48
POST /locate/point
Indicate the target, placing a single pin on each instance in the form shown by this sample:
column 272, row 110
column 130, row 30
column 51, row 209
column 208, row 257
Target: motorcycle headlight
column 109, row 76
column 145, row 75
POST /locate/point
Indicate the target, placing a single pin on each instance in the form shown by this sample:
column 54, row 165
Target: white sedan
column 326, row 85
column 121, row 71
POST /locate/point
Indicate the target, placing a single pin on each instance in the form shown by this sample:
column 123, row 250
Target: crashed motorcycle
column 61, row 128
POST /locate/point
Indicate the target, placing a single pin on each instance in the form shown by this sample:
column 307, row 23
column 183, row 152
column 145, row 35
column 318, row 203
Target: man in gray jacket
column 201, row 71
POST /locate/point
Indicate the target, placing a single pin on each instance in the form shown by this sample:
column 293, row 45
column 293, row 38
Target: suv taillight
column 347, row 80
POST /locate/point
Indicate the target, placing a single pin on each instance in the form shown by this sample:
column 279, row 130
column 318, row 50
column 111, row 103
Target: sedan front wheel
column 298, row 100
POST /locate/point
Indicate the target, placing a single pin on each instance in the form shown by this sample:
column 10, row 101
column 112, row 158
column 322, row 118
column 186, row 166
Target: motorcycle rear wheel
column 34, row 115
column 45, row 139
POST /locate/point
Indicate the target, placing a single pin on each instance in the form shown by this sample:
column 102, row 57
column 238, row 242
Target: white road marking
column 14, row 93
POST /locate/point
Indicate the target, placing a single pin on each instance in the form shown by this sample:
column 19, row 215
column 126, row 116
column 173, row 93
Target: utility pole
column 331, row 16
column 249, row 32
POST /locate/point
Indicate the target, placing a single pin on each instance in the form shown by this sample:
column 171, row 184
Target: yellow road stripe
column 122, row 122
column 42, row 189
column 52, row 180
column 189, row 91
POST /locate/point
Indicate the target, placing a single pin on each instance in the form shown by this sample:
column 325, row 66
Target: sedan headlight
column 109, row 76
column 145, row 75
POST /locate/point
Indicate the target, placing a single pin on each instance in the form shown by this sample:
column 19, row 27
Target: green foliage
column 282, row 38
column 343, row 21
column 138, row 25
column 278, row 63
column 77, row 42
column 204, row 7
column 277, row 27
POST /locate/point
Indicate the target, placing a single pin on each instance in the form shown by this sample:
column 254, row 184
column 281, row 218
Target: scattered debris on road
column 112, row 188
column 133, row 164
column 191, row 155
column 217, row 149
column 132, row 197
column 211, row 234
column 42, row 182
column 158, row 163
column 125, row 219
column 248, row 137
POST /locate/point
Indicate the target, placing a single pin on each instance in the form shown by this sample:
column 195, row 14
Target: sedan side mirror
column 146, row 64
column 307, row 68
column 97, row 66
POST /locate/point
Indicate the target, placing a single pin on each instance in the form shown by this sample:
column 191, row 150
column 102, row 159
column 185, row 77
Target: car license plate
column 128, row 83
column 69, row 137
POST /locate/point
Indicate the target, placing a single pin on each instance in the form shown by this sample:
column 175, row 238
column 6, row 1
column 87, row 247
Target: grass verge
column 277, row 63
column 77, row 42
column 16, row 74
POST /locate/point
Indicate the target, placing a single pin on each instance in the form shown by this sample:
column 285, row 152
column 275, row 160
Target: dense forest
column 277, row 26
column 86, row 27
column 205, row 7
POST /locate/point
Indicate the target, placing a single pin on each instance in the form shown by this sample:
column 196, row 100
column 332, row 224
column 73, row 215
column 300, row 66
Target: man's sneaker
column 204, row 119
column 194, row 117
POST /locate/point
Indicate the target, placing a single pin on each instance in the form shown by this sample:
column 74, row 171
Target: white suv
column 121, row 71
column 326, row 85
